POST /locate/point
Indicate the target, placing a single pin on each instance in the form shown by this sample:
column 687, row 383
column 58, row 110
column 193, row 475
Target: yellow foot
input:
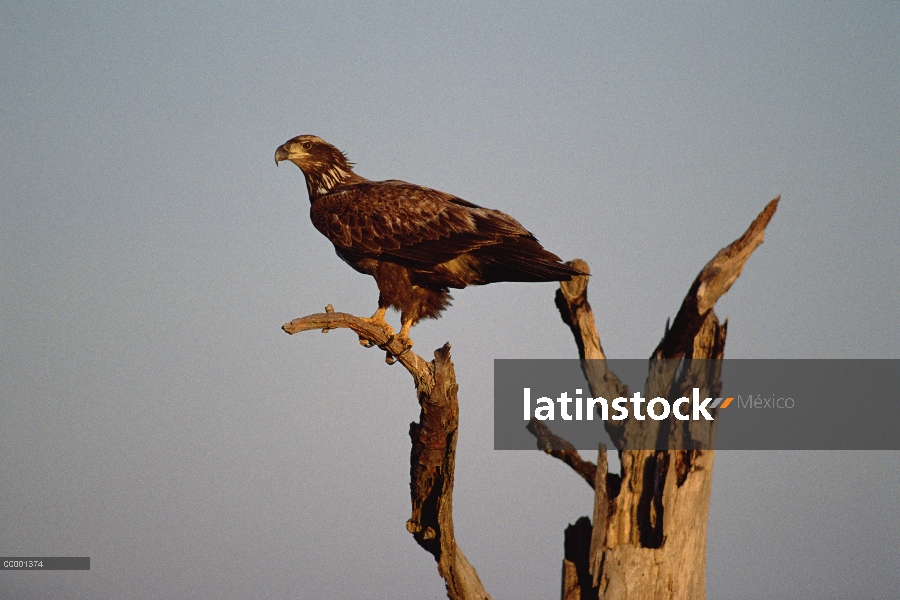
column 376, row 319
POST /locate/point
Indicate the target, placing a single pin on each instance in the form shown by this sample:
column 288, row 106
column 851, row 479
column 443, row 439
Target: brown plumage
column 416, row 242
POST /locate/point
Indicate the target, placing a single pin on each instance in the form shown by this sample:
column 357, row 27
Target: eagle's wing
column 445, row 239
column 394, row 219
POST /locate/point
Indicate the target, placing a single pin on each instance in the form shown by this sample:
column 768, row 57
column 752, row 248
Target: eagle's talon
column 391, row 357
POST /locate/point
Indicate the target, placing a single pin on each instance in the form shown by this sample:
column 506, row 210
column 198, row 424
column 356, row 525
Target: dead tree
column 433, row 454
column 648, row 538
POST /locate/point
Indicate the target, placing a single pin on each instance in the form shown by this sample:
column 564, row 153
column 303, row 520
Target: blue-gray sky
column 154, row 416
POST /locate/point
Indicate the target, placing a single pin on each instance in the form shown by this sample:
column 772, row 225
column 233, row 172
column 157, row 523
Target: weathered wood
column 368, row 330
column 576, row 569
column 711, row 283
column 433, row 453
column 656, row 535
column 571, row 590
column 650, row 542
column 563, row 450
column 576, row 312
column 601, row 517
column 432, row 465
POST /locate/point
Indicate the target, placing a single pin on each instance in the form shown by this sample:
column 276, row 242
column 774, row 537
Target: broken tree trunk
column 433, row 454
column 648, row 538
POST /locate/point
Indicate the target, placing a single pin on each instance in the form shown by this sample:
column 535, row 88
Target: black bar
column 45, row 563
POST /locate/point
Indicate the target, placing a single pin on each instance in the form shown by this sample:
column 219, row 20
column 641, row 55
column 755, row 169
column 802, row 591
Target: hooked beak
column 281, row 154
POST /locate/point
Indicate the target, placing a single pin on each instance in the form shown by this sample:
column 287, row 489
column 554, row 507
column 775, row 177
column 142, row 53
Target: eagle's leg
column 403, row 336
column 378, row 319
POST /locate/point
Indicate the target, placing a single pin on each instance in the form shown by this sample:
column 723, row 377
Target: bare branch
column 575, row 310
column 711, row 284
column 433, row 454
column 368, row 330
column 563, row 450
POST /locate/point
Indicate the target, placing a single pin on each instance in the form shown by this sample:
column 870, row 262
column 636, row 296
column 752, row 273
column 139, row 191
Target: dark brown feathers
column 416, row 242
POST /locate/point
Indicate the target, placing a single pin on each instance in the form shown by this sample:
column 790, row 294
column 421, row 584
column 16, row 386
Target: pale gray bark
column 649, row 532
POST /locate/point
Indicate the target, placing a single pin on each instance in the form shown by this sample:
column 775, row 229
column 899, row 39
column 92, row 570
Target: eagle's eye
column 306, row 145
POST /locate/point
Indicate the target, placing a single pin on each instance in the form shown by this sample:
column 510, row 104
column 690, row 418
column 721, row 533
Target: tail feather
column 522, row 259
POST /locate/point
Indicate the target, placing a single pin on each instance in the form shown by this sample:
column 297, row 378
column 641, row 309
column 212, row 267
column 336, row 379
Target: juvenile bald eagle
column 416, row 242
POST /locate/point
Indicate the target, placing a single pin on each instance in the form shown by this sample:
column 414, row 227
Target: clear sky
column 154, row 416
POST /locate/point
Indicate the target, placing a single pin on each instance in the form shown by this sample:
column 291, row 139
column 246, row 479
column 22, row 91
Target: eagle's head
column 323, row 165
